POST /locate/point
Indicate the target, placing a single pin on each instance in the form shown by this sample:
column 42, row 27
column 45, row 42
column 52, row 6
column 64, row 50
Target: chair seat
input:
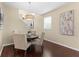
column 23, row 48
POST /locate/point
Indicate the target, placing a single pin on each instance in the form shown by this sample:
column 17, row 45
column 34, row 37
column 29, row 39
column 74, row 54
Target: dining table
column 32, row 37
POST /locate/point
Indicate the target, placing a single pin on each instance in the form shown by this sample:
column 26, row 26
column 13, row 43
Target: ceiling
column 36, row 7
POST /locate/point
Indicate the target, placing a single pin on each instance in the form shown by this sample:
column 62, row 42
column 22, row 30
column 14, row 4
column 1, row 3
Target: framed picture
column 29, row 24
column 67, row 23
column 1, row 19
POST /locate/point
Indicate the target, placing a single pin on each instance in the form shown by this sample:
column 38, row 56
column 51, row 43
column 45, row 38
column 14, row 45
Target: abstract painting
column 67, row 23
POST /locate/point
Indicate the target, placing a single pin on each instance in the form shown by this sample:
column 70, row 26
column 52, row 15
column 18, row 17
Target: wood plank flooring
column 48, row 50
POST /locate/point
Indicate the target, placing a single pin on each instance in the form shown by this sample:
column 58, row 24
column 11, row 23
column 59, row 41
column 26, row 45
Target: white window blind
column 47, row 23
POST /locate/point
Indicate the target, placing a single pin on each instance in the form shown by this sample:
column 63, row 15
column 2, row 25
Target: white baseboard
column 63, row 45
column 4, row 46
column 7, row 44
column 1, row 50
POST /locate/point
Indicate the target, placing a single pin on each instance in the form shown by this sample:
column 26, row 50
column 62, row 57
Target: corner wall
column 55, row 36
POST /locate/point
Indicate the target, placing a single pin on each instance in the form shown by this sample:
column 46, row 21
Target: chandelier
column 28, row 17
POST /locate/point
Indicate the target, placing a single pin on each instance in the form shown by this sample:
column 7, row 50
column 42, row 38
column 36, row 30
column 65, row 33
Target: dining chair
column 20, row 42
column 39, row 41
column 42, row 37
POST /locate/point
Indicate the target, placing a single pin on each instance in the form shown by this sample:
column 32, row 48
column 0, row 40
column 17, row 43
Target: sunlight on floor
column 47, row 53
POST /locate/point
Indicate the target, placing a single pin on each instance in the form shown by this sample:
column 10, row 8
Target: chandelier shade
column 28, row 17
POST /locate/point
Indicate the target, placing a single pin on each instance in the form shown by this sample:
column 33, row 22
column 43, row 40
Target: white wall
column 55, row 36
column 12, row 22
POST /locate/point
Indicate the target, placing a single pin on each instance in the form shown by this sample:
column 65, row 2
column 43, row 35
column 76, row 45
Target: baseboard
column 4, row 46
column 63, row 45
column 1, row 50
column 8, row 44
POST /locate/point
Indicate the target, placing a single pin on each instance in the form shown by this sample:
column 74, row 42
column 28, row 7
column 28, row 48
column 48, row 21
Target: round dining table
column 32, row 37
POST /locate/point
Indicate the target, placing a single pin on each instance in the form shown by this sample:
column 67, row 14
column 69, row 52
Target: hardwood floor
column 49, row 50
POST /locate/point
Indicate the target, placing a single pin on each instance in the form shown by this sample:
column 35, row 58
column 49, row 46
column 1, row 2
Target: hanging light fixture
column 29, row 16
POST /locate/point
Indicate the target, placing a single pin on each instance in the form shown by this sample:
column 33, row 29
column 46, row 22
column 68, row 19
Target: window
column 47, row 23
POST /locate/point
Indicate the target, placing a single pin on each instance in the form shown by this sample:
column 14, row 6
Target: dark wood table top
column 31, row 38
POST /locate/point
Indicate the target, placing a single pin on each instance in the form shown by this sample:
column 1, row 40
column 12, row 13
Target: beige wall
column 13, row 22
column 55, row 36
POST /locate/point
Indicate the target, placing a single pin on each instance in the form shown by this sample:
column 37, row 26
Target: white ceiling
column 36, row 7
